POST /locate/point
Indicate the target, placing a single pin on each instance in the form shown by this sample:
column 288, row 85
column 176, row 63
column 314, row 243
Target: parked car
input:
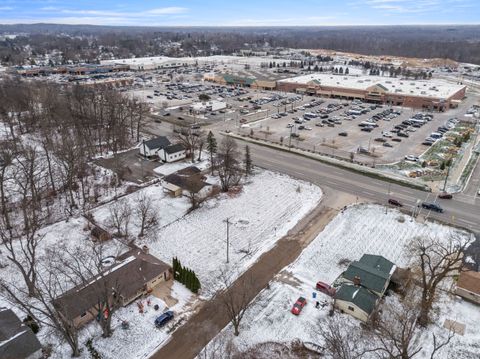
column 290, row 125
column 412, row 158
column 445, row 195
column 318, row 124
column 394, row 202
column 380, row 139
column 164, row 319
column 432, row 207
column 397, row 139
column 386, row 144
column 298, row 306
column 325, row 288
column 344, row 134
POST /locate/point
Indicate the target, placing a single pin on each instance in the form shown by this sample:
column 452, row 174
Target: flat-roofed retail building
column 427, row 94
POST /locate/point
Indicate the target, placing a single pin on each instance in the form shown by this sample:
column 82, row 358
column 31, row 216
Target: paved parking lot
column 327, row 140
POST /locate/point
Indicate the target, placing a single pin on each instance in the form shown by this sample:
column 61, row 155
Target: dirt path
column 189, row 339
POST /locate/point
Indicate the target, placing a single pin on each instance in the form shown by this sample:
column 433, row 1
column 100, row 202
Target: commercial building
column 426, row 94
column 241, row 81
column 208, row 106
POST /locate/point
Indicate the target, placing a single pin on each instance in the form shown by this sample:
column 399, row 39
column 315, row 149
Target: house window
column 84, row 314
column 351, row 308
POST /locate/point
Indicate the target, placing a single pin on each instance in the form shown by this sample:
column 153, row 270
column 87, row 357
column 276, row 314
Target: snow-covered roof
column 426, row 88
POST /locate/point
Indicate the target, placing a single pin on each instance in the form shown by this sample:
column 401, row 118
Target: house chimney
column 356, row 280
column 145, row 249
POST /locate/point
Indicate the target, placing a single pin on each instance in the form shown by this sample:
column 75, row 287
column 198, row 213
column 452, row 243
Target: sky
column 241, row 12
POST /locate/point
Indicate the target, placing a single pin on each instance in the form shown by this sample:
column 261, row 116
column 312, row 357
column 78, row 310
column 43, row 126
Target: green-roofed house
column 371, row 272
column 356, row 301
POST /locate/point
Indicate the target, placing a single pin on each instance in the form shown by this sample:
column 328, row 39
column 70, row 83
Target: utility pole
column 228, row 239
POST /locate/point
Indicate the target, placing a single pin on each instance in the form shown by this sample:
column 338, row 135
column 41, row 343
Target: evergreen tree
column 212, row 149
column 248, row 161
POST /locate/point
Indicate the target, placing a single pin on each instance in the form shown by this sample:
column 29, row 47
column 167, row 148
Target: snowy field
column 266, row 208
column 263, row 212
column 360, row 229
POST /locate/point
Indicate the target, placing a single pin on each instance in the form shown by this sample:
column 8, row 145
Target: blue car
column 164, row 319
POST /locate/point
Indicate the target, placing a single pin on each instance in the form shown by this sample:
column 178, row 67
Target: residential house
column 362, row 285
column 371, row 272
column 356, row 301
column 172, row 153
column 17, row 341
column 133, row 274
column 189, row 179
column 468, row 286
column 151, row 147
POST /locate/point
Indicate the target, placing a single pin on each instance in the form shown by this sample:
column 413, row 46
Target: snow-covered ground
column 261, row 213
column 360, row 229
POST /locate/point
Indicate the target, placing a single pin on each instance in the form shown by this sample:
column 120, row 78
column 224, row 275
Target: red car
column 298, row 306
column 394, row 202
column 445, row 195
column 325, row 288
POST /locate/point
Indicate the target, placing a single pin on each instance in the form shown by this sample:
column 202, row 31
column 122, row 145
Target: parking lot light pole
column 290, row 139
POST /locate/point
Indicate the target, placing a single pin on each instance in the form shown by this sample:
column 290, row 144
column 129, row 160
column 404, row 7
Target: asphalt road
column 462, row 211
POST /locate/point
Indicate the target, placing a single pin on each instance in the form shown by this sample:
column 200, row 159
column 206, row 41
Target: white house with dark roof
column 172, row 153
column 151, row 147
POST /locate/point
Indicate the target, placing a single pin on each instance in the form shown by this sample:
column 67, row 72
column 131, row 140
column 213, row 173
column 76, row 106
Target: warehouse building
column 431, row 95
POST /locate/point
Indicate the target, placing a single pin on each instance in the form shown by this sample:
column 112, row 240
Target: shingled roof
column 357, row 295
column 128, row 275
column 17, row 341
column 373, row 272
column 159, row 142
column 469, row 281
column 175, row 148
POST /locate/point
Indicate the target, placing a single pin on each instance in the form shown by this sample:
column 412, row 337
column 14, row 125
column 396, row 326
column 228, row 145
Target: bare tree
column 146, row 212
column 191, row 140
column 21, row 246
column 85, row 267
column 436, row 260
column 42, row 309
column 237, row 299
column 228, row 168
column 120, row 214
column 342, row 340
column 396, row 334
